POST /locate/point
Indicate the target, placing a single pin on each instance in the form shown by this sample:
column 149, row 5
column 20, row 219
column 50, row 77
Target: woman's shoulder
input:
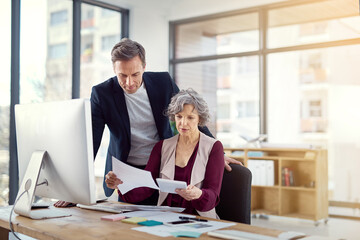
column 218, row 145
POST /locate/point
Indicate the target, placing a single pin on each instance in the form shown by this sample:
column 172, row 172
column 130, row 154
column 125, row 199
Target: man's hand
column 64, row 204
column 111, row 180
column 189, row 193
column 230, row 160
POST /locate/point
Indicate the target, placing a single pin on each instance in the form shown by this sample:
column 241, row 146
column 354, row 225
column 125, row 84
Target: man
column 132, row 105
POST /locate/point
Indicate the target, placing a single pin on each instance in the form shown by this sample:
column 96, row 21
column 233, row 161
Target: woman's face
column 187, row 120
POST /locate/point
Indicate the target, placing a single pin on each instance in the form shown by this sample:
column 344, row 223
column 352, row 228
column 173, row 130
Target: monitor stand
column 26, row 194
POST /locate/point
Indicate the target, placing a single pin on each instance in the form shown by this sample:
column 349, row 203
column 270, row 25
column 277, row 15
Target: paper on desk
column 131, row 177
column 201, row 227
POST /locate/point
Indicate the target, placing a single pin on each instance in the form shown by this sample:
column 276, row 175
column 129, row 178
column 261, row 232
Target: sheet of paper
column 132, row 177
column 290, row 235
column 319, row 238
column 157, row 215
column 236, row 234
column 201, row 227
column 169, row 186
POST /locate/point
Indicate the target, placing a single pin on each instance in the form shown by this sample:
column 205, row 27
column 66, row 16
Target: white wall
column 149, row 21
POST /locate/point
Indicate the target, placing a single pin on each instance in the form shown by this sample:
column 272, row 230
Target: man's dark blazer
column 108, row 106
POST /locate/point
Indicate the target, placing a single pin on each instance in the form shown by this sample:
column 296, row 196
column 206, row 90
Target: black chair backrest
column 235, row 195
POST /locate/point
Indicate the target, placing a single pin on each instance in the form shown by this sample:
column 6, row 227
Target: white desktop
column 55, row 154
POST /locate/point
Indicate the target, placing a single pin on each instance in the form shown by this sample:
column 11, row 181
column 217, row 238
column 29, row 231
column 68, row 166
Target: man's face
column 129, row 74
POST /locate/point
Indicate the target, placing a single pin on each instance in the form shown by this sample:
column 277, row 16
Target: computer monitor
column 55, row 151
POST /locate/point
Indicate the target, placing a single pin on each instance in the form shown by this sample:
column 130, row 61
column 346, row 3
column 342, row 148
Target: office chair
column 235, row 195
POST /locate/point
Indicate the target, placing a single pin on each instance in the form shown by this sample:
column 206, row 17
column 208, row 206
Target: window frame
column 262, row 53
column 15, row 71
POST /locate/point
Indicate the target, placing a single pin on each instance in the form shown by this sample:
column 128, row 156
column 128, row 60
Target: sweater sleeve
column 139, row 194
column 212, row 181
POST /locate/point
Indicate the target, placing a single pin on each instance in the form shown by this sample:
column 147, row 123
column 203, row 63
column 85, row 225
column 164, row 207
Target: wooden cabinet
column 306, row 197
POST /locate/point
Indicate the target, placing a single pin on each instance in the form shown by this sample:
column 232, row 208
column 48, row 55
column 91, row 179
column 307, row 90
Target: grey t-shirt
column 144, row 134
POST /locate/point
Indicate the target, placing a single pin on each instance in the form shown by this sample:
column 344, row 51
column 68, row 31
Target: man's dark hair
column 127, row 49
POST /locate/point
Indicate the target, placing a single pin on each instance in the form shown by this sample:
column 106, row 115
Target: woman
column 189, row 156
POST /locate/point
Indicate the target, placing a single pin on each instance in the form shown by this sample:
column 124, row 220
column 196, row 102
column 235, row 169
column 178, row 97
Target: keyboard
column 37, row 205
column 120, row 208
column 112, row 208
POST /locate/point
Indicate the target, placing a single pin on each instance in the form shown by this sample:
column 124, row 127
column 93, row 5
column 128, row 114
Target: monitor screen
column 62, row 131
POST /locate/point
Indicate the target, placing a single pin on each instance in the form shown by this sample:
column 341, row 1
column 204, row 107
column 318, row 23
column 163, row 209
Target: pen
column 194, row 219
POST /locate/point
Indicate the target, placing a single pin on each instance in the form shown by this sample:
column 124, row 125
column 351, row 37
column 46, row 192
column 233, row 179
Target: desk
column 86, row 224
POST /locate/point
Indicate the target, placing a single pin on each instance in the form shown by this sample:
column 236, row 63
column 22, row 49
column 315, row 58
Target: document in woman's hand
column 169, row 186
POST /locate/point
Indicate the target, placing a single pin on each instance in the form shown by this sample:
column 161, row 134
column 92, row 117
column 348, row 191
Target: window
column 228, row 83
column 58, row 17
column 46, row 60
column 232, row 34
column 57, row 51
column 247, row 109
column 303, row 77
column 96, row 44
column 100, row 31
column 223, row 111
column 46, row 63
column 108, row 42
column 108, row 13
column 299, row 25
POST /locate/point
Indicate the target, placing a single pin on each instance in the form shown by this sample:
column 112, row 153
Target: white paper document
column 169, row 186
column 131, row 177
column 240, row 235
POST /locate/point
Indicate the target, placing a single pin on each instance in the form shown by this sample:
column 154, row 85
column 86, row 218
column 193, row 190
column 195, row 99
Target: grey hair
column 188, row 96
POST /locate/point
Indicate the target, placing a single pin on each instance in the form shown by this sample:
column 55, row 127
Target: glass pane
column 296, row 25
column 100, row 31
column 313, row 98
column 5, row 59
column 232, row 34
column 231, row 89
column 46, row 61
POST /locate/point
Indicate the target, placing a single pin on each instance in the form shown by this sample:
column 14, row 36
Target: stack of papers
column 196, row 228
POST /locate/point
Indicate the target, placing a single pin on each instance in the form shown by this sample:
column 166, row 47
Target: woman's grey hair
column 127, row 49
column 188, row 96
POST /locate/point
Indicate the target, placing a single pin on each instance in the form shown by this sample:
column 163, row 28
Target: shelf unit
column 307, row 198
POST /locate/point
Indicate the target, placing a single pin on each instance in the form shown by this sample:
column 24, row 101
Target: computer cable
column 27, row 187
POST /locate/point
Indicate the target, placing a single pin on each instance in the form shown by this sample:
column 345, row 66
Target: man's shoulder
column 157, row 75
column 109, row 83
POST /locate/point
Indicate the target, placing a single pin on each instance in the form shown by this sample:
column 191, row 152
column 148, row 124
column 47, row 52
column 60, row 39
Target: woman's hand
column 111, row 180
column 190, row 193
